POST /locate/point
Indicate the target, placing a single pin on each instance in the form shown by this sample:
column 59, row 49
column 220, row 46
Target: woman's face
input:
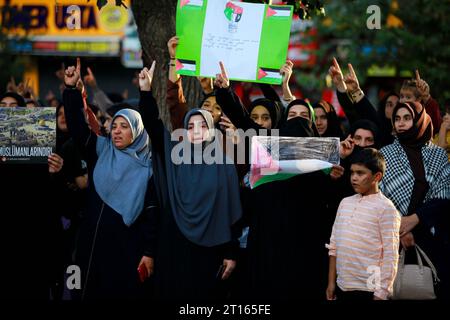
column 262, row 117
column 403, row 120
column 107, row 123
column 197, row 129
column 391, row 102
column 9, row 102
column 321, row 120
column 210, row 105
column 121, row 133
column 61, row 120
column 298, row 110
column 363, row 138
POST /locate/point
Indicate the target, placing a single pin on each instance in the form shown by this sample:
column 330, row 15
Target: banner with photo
column 250, row 39
column 27, row 135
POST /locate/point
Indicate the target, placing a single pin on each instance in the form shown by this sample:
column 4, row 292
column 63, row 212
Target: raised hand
column 346, row 147
column 222, row 80
column 337, row 76
column 172, row 46
column 286, row 71
column 226, row 124
column 146, row 78
column 72, row 74
column 11, row 86
column 89, row 79
column 423, row 87
column 207, row 84
column 351, row 80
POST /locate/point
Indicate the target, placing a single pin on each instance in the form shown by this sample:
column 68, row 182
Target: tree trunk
column 156, row 25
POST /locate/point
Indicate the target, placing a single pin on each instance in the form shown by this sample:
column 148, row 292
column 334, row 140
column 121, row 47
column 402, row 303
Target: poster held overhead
column 250, row 39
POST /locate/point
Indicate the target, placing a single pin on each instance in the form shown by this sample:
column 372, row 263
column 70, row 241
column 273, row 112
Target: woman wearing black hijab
column 70, row 200
column 417, row 181
column 265, row 113
column 385, row 108
column 287, row 219
column 288, row 232
column 196, row 244
column 301, row 108
column 327, row 121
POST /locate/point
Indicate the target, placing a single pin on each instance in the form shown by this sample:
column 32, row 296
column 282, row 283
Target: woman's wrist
column 357, row 95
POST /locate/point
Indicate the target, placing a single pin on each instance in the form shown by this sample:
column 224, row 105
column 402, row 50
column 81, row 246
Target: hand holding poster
column 250, row 39
column 279, row 158
column 27, row 135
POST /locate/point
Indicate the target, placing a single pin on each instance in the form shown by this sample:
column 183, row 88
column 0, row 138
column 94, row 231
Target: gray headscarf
column 204, row 198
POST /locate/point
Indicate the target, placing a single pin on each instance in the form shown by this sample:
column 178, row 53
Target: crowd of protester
column 113, row 202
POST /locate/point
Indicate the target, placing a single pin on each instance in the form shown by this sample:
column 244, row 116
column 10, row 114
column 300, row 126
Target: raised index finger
column 351, row 70
column 222, row 68
column 336, row 64
column 152, row 68
column 78, row 65
column 417, row 75
column 13, row 82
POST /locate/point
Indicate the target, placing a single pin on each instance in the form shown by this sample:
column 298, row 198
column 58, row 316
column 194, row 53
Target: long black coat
column 108, row 250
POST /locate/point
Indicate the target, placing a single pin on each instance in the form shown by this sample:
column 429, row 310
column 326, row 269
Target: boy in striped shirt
column 363, row 249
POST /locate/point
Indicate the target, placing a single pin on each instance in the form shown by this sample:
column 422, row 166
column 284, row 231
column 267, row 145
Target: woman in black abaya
column 196, row 244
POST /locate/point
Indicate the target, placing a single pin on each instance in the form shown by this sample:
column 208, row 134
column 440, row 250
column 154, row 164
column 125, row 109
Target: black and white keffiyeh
column 398, row 181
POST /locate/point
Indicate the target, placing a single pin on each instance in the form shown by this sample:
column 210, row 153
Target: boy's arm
column 331, row 289
column 389, row 224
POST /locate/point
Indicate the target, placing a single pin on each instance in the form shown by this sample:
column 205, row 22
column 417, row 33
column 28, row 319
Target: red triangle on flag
column 183, row 3
column 270, row 12
column 261, row 73
column 179, row 65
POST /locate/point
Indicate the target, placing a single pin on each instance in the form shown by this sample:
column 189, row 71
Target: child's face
column 407, row 95
column 363, row 180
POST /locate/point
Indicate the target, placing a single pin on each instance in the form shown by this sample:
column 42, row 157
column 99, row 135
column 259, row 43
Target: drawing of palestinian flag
column 278, row 11
column 269, row 75
column 232, row 9
column 196, row 3
column 280, row 158
column 186, row 67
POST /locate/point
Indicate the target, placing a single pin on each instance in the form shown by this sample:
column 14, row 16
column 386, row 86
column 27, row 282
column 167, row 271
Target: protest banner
column 27, row 135
column 250, row 39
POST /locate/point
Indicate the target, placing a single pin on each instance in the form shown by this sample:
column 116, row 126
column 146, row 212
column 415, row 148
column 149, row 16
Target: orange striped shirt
column 365, row 241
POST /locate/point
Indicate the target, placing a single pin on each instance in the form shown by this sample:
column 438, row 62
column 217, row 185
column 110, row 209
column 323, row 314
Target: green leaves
column 101, row 3
column 307, row 9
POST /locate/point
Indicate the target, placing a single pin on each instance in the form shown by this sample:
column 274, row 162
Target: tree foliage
column 414, row 34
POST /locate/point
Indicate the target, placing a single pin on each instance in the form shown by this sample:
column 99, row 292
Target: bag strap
column 419, row 259
column 401, row 261
column 430, row 264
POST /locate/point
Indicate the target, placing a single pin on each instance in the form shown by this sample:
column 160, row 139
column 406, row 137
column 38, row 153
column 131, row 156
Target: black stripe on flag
column 287, row 8
column 270, row 70
column 183, row 61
